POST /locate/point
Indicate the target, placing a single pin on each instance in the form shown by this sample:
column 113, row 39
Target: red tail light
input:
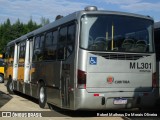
column 81, row 79
column 154, row 80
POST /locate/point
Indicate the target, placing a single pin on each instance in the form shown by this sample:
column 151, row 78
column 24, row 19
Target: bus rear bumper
column 113, row 100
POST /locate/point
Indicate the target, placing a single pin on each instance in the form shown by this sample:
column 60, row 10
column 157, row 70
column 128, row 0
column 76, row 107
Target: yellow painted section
column 21, row 69
column 1, row 67
column 21, row 73
column 9, row 68
column 2, row 70
column 9, row 71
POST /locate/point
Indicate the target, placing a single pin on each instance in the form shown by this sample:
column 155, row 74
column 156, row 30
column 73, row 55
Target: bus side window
column 66, row 41
column 9, row 55
column 38, row 48
column 62, row 43
column 22, row 52
column 50, row 45
column 54, row 46
column 70, row 39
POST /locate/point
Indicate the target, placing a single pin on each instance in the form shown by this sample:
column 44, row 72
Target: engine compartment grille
column 118, row 56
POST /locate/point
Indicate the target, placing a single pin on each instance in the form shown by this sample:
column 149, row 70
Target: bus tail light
column 81, row 79
column 154, row 81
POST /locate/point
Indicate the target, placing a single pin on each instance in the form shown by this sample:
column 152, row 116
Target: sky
column 36, row 9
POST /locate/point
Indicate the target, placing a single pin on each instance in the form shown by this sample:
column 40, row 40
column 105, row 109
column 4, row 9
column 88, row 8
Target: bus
column 157, row 46
column 1, row 69
column 88, row 60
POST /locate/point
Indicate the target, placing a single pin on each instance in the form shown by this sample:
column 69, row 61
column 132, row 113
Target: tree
column 10, row 31
column 44, row 21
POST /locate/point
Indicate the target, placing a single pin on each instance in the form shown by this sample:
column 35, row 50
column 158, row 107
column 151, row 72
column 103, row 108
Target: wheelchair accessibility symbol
column 93, row 60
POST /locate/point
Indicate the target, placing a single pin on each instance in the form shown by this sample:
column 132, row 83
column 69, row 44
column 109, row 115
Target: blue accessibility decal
column 93, row 60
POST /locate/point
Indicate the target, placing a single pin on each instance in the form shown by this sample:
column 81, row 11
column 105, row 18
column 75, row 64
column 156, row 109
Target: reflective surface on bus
column 116, row 33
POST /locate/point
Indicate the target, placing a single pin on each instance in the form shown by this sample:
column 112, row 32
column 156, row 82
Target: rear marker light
column 145, row 94
column 96, row 94
column 154, row 80
column 81, row 79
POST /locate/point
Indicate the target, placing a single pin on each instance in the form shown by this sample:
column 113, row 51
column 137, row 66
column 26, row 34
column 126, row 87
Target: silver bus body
column 157, row 45
column 85, row 78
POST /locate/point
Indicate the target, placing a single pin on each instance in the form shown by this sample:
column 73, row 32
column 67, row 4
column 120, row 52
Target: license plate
column 120, row 101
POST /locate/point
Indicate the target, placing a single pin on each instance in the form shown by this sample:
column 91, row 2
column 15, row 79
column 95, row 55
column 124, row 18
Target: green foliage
column 44, row 21
column 9, row 32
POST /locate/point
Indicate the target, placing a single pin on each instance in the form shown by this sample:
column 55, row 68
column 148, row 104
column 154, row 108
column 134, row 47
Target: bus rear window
column 116, row 33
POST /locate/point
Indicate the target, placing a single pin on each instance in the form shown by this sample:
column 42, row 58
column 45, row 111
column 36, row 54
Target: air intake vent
column 118, row 56
column 90, row 8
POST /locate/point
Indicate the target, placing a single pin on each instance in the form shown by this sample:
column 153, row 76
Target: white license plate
column 120, row 101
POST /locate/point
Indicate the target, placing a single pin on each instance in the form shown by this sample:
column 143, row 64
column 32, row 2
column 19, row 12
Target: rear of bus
column 116, row 61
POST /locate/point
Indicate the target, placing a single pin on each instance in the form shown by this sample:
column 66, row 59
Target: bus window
column 49, row 40
column 37, row 42
column 9, row 55
column 50, row 46
column 55, row 34
column 22, row 51
column 42, row 42
column 157, row 41
column 116, row 33
column 11, row 52
column 70, row 39
column 38, row 48
column 62, row 43
column 63, row 35
column 66, row 41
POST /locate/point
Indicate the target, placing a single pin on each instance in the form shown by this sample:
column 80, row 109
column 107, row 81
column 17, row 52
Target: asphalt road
column 23, row 105
column 4, row 98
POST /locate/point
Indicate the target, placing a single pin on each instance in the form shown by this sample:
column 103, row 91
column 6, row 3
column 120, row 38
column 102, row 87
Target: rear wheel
column 10, row 86
column 1, row 78
column 42, row 96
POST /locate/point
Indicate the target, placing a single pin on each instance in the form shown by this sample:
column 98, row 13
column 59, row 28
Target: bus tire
column 10, row 86
column 42, row 96
column 1, row 78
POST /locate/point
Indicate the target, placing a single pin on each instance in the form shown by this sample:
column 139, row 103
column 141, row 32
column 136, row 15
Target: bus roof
column 74, row 16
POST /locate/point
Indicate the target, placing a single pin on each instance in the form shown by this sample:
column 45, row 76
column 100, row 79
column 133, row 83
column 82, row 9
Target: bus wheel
column 1, row 78
column 10, row 86
column 42, row 96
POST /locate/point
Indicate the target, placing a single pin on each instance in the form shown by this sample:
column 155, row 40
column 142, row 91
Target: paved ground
column 22, row 105
column 4, row 98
